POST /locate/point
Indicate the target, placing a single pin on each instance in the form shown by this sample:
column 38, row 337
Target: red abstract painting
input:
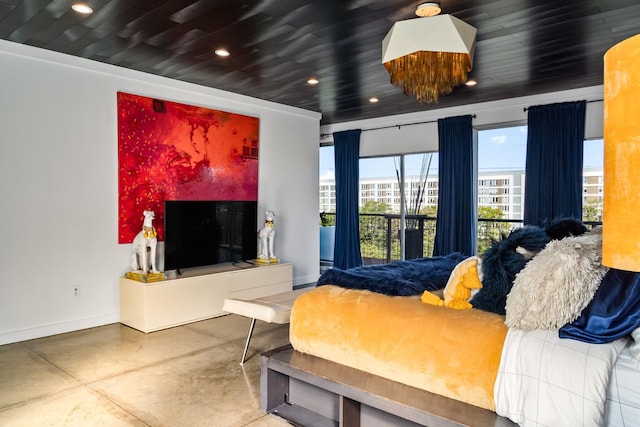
column 172, row 151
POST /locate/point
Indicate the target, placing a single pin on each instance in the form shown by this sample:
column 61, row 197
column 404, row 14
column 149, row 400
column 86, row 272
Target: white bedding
column 623, row 396
column 547, row 381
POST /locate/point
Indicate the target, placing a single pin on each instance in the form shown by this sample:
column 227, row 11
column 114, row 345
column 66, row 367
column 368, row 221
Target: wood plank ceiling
column 523, row 46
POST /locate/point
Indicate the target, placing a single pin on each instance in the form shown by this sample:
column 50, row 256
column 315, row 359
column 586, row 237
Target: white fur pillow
column 557, row 284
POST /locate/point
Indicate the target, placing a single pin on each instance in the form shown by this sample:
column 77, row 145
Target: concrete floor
column 114, row 375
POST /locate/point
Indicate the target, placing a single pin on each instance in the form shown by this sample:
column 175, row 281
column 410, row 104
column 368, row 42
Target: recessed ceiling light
column 313, row 81
column 82, row 8
column 471, row 83
column 222, row 52
column 373, row 99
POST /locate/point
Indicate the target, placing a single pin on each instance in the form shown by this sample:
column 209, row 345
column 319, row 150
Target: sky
column 498, row 149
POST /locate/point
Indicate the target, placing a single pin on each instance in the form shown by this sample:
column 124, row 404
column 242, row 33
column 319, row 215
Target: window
column 382, row 214
column 592, row 180
column 501, row 161
column 501, row 170
column 327, row 180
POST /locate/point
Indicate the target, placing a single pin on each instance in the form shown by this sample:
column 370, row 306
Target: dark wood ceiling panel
column 523, row 47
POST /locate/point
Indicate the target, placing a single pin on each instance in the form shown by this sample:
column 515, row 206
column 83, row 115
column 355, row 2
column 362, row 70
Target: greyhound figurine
column 146, row 238
column 267, row 235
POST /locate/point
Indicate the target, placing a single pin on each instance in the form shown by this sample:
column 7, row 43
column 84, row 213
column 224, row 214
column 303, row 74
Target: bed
column 541, row 363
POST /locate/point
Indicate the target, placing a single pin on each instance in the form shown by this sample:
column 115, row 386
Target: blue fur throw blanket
column 502, row 261
column 399, row 278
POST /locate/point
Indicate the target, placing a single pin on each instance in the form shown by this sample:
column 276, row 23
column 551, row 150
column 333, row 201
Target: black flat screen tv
column 202, row 233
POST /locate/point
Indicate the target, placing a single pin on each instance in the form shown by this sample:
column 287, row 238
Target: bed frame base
column 313, row 392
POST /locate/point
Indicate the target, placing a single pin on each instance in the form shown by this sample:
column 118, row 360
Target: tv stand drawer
column 159, row 305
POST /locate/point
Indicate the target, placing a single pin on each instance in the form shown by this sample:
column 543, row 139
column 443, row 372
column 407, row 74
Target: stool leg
column 246, row 346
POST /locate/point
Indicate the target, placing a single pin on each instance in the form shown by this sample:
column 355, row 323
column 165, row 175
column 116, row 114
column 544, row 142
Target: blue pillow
column 613, row 312
column 502, row 261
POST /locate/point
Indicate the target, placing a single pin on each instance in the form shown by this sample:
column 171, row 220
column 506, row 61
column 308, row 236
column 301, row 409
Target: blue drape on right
column 455, row 227
column 613, row 312
column 553, row 174
column 347, row 162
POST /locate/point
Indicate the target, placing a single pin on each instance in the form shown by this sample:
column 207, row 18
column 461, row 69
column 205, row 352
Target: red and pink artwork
column 172, row 151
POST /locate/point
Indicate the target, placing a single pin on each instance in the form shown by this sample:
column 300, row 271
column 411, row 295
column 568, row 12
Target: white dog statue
column 147, row 238
column 267, row 236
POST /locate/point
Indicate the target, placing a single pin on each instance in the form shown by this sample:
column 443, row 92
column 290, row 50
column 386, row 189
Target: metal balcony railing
column 380, row 235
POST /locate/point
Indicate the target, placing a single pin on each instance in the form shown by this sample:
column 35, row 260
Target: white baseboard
column 304, row 280
column 57, row 328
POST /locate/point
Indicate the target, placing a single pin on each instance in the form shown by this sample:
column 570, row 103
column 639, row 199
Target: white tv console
column 159, row 305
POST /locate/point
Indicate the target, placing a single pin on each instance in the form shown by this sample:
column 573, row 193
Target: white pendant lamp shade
column 441, row 33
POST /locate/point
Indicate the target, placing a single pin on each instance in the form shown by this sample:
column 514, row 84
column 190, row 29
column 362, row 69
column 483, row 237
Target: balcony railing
column 380, row 235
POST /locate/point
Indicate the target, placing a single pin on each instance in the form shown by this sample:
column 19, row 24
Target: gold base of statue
column 266, row 261
column 145, row 278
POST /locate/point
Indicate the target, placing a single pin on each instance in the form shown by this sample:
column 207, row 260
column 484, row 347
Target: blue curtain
column 553, row 174
column 347, row 162
column 455, row 222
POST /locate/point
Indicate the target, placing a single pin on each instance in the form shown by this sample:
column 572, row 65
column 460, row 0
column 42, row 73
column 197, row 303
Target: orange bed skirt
column 454, row 353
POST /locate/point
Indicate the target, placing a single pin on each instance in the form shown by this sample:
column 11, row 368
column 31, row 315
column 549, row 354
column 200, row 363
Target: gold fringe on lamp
column 621, row 210
column 427, row 75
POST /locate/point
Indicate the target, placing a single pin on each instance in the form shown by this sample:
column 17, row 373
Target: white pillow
column 557, row 284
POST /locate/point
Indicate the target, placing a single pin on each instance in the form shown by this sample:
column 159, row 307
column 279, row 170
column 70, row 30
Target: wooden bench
column 271, row 309
column 310, row 391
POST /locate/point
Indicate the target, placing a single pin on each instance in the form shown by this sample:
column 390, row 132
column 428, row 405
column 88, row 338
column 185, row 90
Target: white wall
column 404, row 136
column 58, row 185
